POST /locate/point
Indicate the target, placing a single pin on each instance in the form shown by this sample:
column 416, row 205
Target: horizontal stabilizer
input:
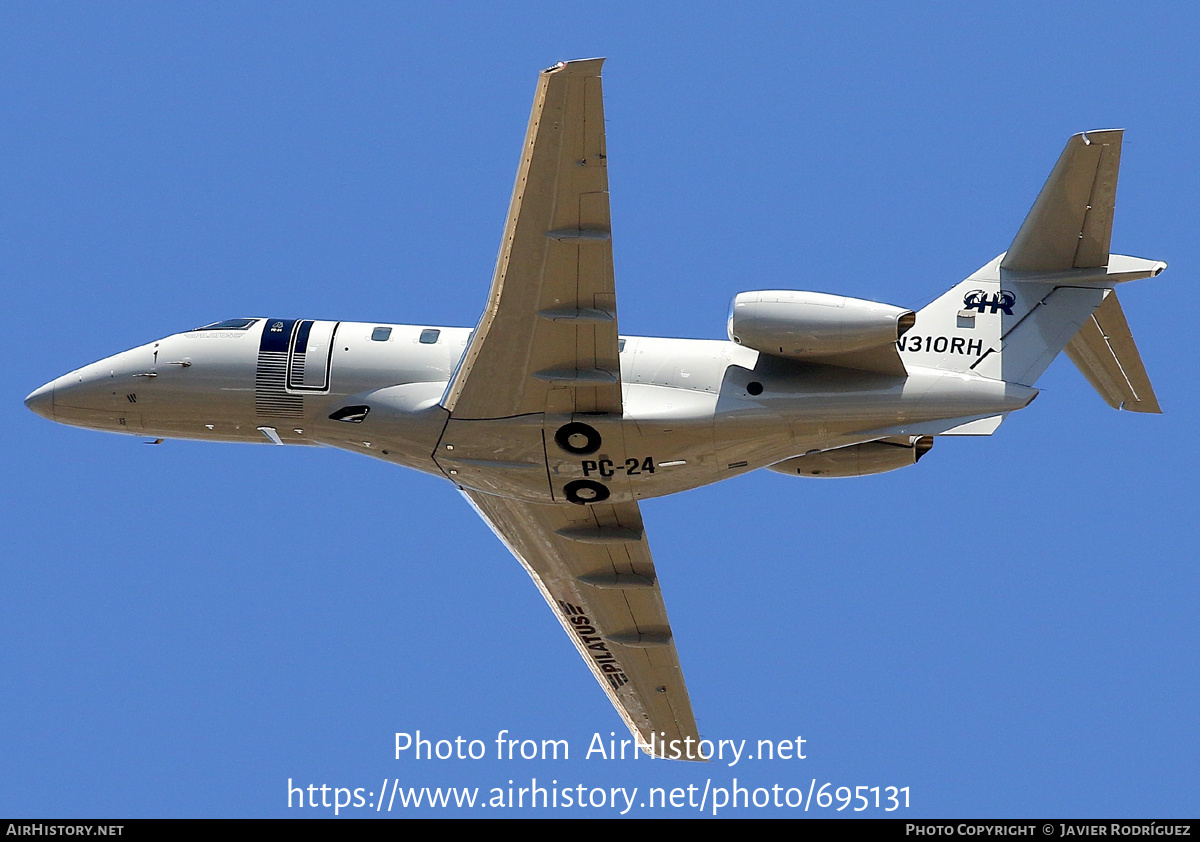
column 1070, row 224
column 1104, row 351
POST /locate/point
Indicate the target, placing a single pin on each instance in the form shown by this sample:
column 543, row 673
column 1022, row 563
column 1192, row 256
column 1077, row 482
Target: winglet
column 1070, row 223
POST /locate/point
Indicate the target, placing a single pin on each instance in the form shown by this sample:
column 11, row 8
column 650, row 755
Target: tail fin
column 1051, row 289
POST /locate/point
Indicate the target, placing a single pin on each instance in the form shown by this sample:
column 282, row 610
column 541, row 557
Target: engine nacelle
column 872, row 457
column 811, row 325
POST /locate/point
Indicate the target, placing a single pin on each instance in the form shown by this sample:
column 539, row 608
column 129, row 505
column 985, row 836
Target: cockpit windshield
column 228, row 324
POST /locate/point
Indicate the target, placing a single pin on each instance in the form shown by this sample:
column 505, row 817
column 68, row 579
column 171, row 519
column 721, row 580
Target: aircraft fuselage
column 695, row 411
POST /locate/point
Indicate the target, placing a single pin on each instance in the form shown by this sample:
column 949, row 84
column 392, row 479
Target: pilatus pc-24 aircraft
column 554, row 426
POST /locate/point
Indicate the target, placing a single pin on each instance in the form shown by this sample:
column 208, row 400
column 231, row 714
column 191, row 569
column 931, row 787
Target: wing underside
column 551, row 319
column 593, row 566
column 546, row 352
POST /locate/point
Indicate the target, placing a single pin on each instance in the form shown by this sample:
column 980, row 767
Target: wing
column 593, row 566
column 547, row 346
column 551, row 314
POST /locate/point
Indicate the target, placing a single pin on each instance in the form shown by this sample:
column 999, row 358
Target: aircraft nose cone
column 41, row 401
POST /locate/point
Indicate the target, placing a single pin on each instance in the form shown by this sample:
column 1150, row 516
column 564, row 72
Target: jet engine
column 812, row 325
column 856, row 460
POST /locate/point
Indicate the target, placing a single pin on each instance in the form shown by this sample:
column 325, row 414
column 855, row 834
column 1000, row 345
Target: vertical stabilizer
column 1051, row 290
column 1000, row 329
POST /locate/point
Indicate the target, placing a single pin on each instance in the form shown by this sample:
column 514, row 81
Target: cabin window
column 228, row 324
column 381, row 334
column 429, row 336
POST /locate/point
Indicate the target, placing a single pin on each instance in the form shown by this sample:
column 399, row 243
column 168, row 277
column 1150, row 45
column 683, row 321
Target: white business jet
column 554, row 426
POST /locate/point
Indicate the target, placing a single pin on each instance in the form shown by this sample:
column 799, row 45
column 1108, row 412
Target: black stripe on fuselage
column 270, row 381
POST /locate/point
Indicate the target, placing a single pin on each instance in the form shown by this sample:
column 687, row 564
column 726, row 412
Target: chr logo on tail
column 977, row 299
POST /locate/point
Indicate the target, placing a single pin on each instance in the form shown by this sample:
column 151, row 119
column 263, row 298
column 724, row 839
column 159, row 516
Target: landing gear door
column 311, row 350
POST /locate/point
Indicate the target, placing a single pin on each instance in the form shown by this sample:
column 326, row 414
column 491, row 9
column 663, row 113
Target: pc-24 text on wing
column 554, row 426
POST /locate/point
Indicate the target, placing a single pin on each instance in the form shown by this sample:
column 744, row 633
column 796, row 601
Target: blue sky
column 1008, row 629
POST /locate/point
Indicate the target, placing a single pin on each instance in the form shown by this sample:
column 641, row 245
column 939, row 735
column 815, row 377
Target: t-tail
column 1053, row 289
